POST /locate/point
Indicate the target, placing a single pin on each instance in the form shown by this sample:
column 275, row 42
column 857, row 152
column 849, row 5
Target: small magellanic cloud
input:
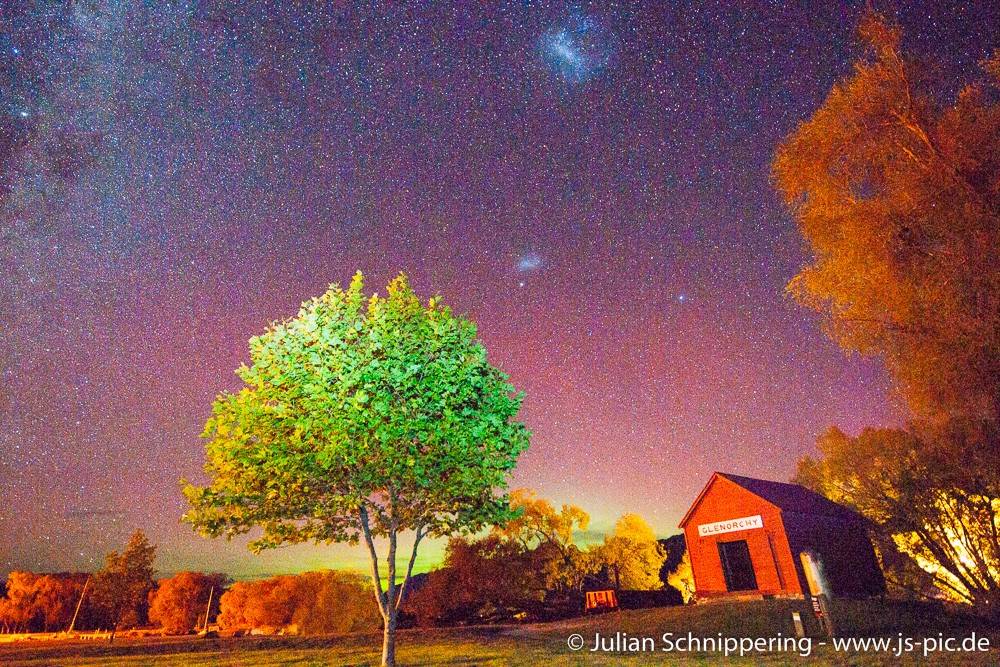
column 528, row 262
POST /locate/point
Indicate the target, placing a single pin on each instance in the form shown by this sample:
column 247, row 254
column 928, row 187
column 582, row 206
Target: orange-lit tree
column 362, row 418
column 632, row 555
column 19, row 604
column 546, row 535
column 180, row 604
column 934, row 496
column 56, row 598
column 334, row 602
column 897, row 193
column 896, row 190
column 121, row 588
column 486, row 580
column 313, row 602
column 43, row 602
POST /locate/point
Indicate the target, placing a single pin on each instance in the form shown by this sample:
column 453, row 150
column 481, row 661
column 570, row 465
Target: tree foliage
column 527, row 567
column 19, row 605
column 682, row 578
column 897, row 192
column 676, row 570
column 309, row 603
column 547, row 535
column 180, row 604
column 934, row 496
column 632, row 555
column 121, row 589
column 538, row 522
column 486, row 580
column 362, row 418
column 531, row 568
column 41, row 602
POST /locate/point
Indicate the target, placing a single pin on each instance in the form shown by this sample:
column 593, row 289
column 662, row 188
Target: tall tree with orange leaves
column 896, row 189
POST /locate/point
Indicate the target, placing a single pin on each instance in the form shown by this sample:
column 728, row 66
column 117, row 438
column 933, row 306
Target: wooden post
column 800, row 630
column 825, row 618
column 79, row 602
column 208, row 609
column 819, row 590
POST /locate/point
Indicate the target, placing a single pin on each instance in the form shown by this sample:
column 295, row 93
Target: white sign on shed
column 730, row 525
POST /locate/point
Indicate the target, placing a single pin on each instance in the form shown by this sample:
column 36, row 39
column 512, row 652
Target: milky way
column 588, row 182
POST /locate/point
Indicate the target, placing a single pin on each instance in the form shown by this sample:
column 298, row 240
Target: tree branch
column 373, row 557
column 409, row 567
column 390, row 594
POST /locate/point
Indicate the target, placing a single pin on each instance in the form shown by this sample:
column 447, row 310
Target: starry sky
column 588, row 182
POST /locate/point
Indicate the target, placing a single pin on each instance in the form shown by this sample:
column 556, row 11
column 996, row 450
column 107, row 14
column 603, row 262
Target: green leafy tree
column 121, row 589
column 362, row 418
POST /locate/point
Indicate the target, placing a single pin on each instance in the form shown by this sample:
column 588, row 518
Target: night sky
column 588, row 183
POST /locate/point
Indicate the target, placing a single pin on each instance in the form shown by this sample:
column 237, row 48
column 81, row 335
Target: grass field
column 542, row 644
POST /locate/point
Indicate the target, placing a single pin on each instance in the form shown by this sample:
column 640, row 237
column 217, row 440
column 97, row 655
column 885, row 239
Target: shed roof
column 786, row 497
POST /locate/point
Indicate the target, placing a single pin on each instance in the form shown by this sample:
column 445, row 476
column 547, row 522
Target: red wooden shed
column 745, row 538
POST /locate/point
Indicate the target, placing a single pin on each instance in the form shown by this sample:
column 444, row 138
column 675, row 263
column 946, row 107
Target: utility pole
column 78, row 603
column 208, row 609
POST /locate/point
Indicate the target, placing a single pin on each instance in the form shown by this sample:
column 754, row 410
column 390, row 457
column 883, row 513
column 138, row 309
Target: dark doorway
column 737, row 566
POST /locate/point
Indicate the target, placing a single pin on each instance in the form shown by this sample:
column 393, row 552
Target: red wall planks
column 774, row 566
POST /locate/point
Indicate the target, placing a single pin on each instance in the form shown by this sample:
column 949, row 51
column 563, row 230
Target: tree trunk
column 390, row 600
column 389, row 641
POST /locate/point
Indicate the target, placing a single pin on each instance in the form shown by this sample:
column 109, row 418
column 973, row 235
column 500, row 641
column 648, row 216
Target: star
column 202, row 173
